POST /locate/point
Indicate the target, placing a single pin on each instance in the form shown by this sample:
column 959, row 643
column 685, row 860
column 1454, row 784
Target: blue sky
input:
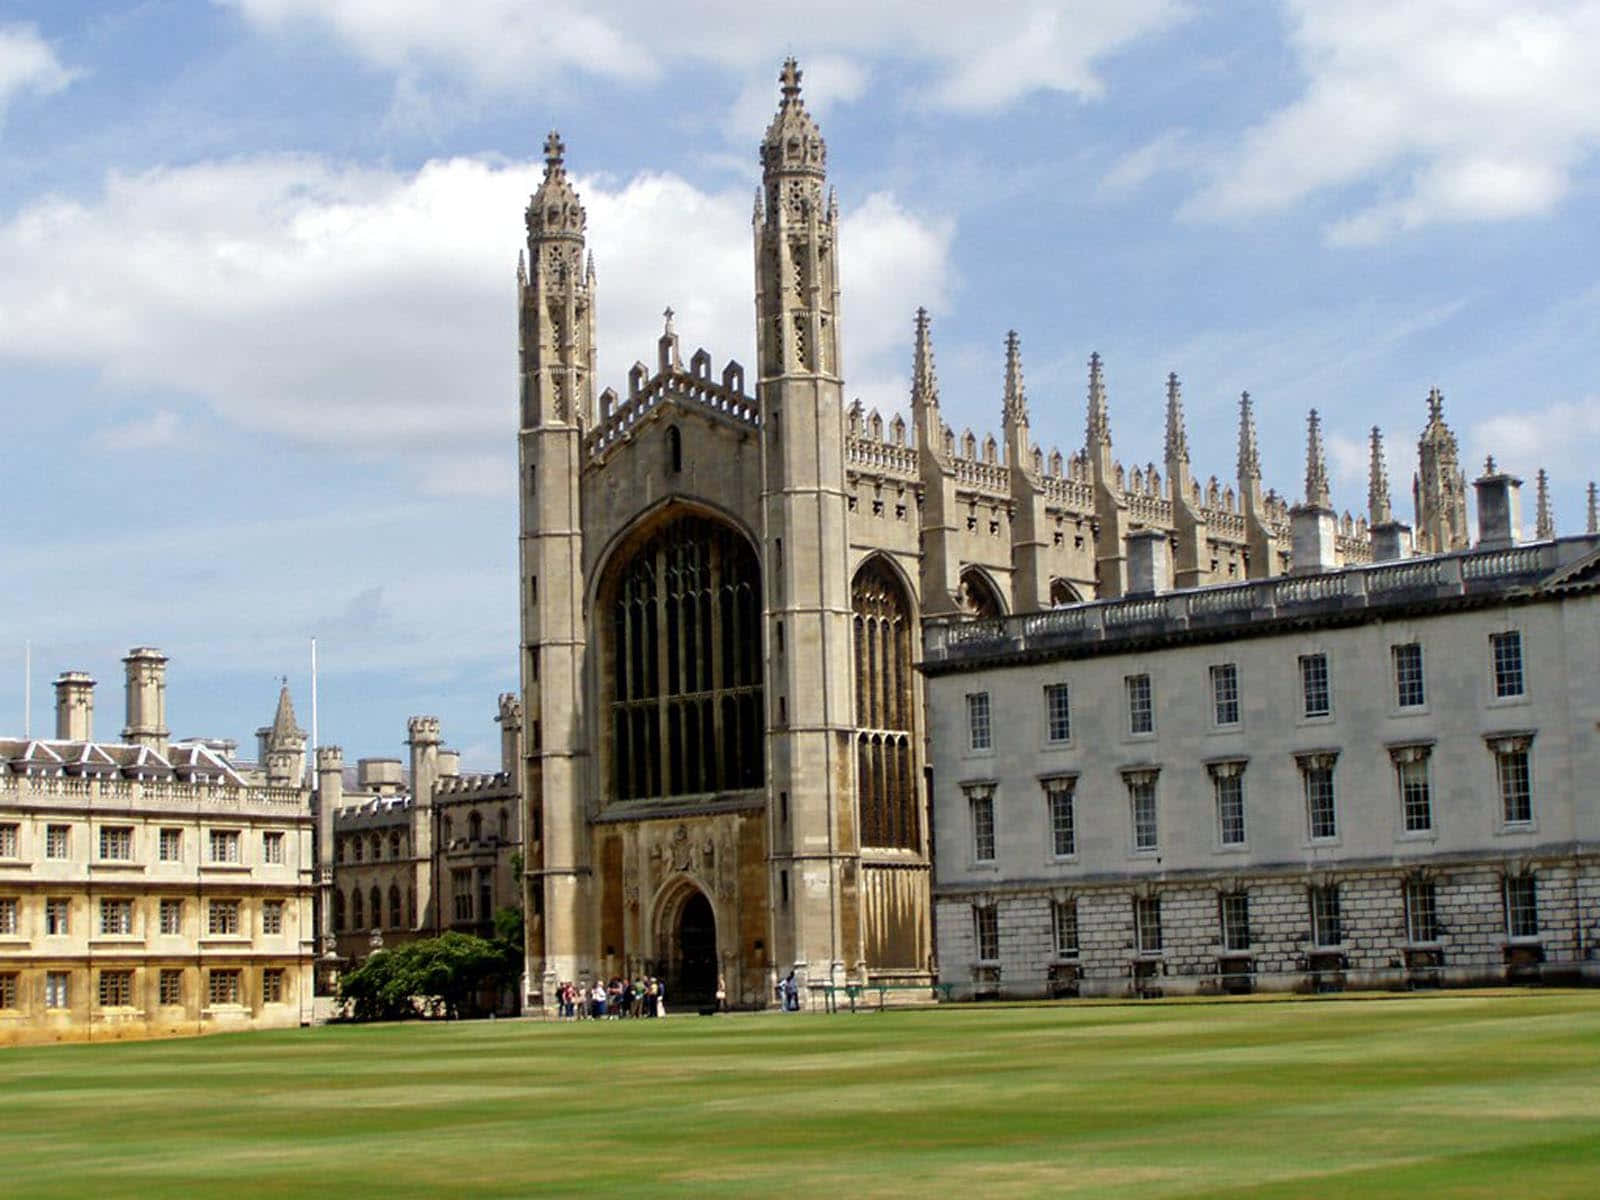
column 256, row 258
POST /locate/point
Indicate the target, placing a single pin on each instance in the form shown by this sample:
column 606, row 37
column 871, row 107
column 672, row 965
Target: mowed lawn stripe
column 1447, row 1093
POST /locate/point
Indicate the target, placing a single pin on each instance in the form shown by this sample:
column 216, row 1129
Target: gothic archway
column 978, row 596
column 1063, row 593
column 688, row 945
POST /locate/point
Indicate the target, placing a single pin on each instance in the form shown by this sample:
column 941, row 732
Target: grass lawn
column 1450, row 1095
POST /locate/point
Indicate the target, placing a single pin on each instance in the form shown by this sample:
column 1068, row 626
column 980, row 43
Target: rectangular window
column 1506, row 652
column 978, row 732
column 272, row 985
column 986, row 930
column 1141, row 707
column 116, row 916
column 1227, row 781
column 1416, row 798
column 1142, row 800
column 981, row 801
column 1409, row 692
column 171, row 987
column 8, row 840
column 222, row 917
column 1422, row 911
column 1522, row 906
column 222, row 986
column 169, row 847
column 1147, row 924
column 1234, row 909
column 8, row 915
column 1063, row 831
column 272, row 916
column 57, row 912
column 116, row 842
column 8, row 989
column 1516, row 791
column 224, row 845
column 116, row 989
column 1058, row 713
column 1065, row 914
column 272, row 848
column 1326, row 929
column 461, row 888
column 1321, row 819
column 57, row 841
column 1225, row 694
column 171, row 916
column 1316, row 697
column 55, row 989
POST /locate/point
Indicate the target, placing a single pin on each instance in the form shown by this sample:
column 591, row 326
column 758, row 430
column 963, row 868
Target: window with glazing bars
column 1141, row 705
column 1422, row 911
column 1408, row 684
column 1234, row 910
column 1316, row 697
column 1225, row 694
column 1506, row 652
column 1058, row 713
column 1522, row 906
column 1063, row 831
column 986, row 931
column 1326, row 928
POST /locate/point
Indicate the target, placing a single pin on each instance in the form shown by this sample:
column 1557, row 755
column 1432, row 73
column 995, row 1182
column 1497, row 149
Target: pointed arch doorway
column 689, row 929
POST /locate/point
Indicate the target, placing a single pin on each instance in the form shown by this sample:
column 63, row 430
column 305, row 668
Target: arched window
column 886, row 784
column 475, row 825
column 377, row 847
column 394, row 844
column 376, row 907
column 684, row 665
column 674, row 450
column 505, row 825
column 355, row 847
column 338, row 849
column 338, row 910
column 394, row 906
column 355, row 909
column 1063, row 593
column 978, row 597
column 444, row 826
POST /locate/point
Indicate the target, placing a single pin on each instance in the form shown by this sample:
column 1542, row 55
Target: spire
column 1177, row 439
column 793, row 142
column 1099, row 433
column 284, row 727
column 1316, row 465
column 1249, row 455
column 554, row 209
column 1544, row 527
column 924, row 380
column 1379, row 511
column 1593, row 523
column 1014, row 408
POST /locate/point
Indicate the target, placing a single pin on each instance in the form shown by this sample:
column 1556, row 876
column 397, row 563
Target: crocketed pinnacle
column 1593, row 523
column 1099, row 432
column 1177, row 438
column 284, row 727
column 1544, row 525
column 1378, row 508
column 1317, row 495
column 924, row 380
column 1014, row 408
column 1249, row 456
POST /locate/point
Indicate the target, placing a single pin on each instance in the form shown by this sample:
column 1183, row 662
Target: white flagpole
column 312, row 765
column 27, row 690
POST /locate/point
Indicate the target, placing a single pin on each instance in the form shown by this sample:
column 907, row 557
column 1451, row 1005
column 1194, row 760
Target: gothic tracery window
column 977, row 596
column 685, row 668
column 885, row 784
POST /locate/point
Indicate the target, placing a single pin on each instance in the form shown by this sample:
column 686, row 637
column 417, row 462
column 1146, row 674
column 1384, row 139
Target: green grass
column 1458, row 1095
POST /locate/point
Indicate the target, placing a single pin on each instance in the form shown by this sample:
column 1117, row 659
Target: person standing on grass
column 722, row 994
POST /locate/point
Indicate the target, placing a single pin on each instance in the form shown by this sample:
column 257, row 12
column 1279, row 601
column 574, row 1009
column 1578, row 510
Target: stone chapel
column 723, row 580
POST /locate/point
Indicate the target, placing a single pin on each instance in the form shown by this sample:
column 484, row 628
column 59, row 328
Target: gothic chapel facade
column 723, row 588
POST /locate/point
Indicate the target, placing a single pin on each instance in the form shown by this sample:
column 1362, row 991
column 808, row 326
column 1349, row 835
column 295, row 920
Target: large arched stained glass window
column 685, row 665
column 885, row 784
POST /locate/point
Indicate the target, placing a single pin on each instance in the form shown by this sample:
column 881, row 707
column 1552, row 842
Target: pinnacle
column 555, row 151
column 1379, row 511
column 789, row 79
column 1316, row 465
column 1249, row 464
column 1177, row 436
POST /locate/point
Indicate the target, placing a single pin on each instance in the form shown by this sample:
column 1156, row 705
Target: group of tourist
column 619, row 998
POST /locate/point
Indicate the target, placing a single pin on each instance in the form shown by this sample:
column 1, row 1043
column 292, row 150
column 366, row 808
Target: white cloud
column 28, row 63
column 1438, row 110
column 1563, row 438
column 151, row 432
column 982, row 57
column 372, row 313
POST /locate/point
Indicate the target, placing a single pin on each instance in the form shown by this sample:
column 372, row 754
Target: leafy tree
column 443, row 975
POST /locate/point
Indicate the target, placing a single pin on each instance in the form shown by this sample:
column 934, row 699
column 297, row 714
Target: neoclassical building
column 1368, row 775
column 724, row 576
column 149, row 886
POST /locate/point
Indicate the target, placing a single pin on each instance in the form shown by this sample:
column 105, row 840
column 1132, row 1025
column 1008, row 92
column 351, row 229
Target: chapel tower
column 555, row 299
column 1440, row 485
column 812, row 817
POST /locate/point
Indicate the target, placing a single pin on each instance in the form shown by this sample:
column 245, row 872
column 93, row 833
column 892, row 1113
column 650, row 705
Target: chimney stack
column 1499, row 507
column 147, row 699
column 74, row 707
column 1149, row 562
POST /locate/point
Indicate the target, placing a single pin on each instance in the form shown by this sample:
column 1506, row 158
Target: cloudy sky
column 256, row 261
